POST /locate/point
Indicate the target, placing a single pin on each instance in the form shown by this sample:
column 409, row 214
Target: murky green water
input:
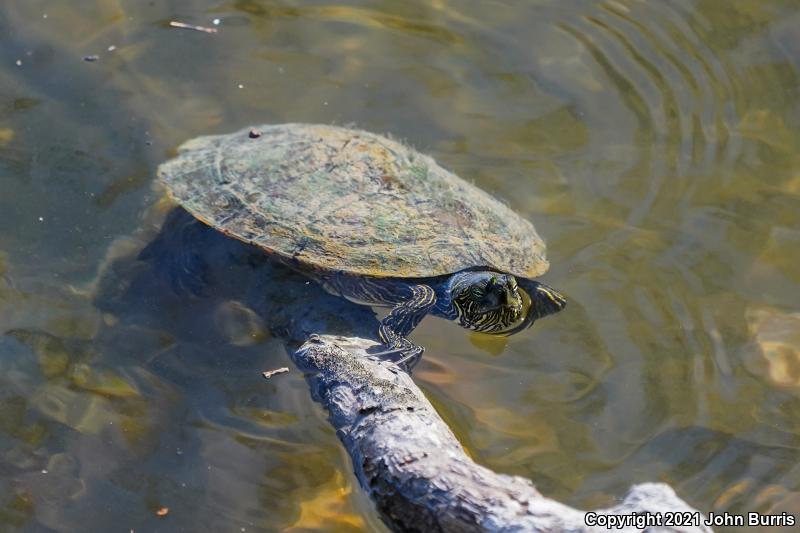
column 654, row 144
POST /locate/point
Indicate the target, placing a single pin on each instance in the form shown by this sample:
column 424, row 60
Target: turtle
column 371, row 220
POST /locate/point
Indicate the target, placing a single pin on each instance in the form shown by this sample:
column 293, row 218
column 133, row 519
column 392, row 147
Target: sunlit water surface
column 654, row 144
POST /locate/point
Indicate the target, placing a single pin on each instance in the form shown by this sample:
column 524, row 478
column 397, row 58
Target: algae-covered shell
column 348, row 201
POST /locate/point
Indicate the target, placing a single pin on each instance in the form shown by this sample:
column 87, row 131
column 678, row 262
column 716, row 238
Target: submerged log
column 404, row 455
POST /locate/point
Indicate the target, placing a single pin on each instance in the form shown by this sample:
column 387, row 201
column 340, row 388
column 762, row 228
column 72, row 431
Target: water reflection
column 652, row 143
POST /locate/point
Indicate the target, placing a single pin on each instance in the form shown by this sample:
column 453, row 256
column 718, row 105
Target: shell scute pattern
column 349, row 200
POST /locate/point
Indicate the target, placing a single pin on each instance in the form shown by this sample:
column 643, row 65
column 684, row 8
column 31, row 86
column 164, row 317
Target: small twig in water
column 185, row 26
column 269, row 373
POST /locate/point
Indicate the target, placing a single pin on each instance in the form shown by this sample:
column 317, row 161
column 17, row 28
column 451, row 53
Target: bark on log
column 404, row 455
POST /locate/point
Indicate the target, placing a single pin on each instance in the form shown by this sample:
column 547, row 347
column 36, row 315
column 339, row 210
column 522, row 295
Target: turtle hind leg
column 401, row 321
column 175, row 253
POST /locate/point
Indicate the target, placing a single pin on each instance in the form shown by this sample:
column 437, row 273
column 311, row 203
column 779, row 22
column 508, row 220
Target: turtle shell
column 348, row 201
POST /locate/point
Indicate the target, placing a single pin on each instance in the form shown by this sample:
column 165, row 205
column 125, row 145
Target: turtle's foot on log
column 401, row 353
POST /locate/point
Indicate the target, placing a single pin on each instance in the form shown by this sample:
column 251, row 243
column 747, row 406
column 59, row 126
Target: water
column 654, row 145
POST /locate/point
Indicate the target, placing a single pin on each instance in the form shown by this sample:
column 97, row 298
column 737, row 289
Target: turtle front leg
column 401, row 320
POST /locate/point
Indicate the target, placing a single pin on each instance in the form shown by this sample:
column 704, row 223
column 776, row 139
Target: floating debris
column 182, row 25
column 164, row 511
column 18, row 62
column 215, row 22
column 112, row 48
column 254, row 134
column 269, row 373
column 91, row 58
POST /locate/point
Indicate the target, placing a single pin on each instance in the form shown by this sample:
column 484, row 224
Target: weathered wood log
column 414, row 468
column 404, row 455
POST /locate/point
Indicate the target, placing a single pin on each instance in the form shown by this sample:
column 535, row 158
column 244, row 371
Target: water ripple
column 679, row 90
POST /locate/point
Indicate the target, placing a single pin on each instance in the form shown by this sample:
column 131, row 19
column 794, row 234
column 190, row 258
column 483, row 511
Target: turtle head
column 486, row 301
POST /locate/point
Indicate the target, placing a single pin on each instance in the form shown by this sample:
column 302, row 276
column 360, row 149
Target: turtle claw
column 408, row 355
